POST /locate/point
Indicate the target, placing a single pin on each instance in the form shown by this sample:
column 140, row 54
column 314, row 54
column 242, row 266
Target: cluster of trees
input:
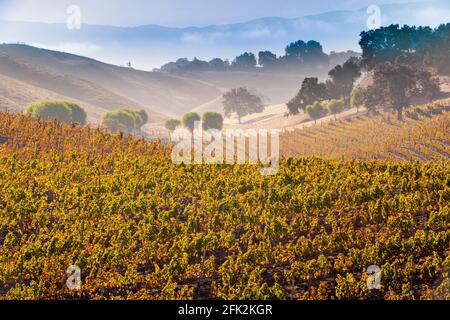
column 238, row 102
column 398, row 61
column 339, row 87
column 299, row 55
column 63, row 111
column 209, row 120
column 124, row 120
column 394, row 87
column 417, row 46
column 319, row 110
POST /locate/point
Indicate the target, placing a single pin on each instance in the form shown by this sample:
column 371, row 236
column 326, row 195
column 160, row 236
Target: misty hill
column 99, row 86
column 57, row 84
column 152, row 45
column 103, row 85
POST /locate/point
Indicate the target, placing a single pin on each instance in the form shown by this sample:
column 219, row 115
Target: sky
column 173, row 13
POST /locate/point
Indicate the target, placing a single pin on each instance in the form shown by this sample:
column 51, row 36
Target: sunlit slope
column 158, row 92
column 40, row 83
column 424, row 135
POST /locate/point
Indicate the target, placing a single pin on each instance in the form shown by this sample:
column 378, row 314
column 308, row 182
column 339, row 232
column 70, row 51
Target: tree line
column 415, row 46
column 299, row 55
column 209, row 120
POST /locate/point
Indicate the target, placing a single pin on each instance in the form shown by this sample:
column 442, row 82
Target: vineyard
column 424, row 135
column 140, row 227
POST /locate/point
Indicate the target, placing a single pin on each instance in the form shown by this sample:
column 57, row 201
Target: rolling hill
column 424, row 136
column 15, row 94
column 102, row 85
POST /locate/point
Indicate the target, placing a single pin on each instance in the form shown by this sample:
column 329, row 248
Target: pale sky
column 173, row 13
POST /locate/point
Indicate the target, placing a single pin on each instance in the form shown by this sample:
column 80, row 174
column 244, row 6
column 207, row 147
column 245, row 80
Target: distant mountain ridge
column 151, row 46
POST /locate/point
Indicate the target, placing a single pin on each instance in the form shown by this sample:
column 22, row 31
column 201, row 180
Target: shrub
column 63, row 111
column 316, row 111
column 212, row 120
column 356, row 98
column 335, row 107
column 189, row 120
column 124, row 120
column 141, row 118
column 172, row 124
column 78, row 113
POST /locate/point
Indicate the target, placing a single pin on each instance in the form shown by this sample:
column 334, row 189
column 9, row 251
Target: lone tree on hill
column 241, row 102
column 394, row 85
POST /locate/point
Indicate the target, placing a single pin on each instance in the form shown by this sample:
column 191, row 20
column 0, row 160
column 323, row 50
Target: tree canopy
column 335, row 107
column 267, row 59
column 344, row 76
column 212, row 120
column 124, row 120
column 394, row 85
column 356, row 98
column 299, row 56
column 172, row 124
column 241, row 102
column 245, row 61
column 189, row 120
column 421, row 46
column 63, row 111
column 311, row 91
column 316, row 111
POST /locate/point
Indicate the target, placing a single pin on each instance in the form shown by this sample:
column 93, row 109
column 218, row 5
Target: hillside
column 140, row 227
column 15, row 94
column 44, row 82
column 104, row 85
column 274, row 88
column 424, row 135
